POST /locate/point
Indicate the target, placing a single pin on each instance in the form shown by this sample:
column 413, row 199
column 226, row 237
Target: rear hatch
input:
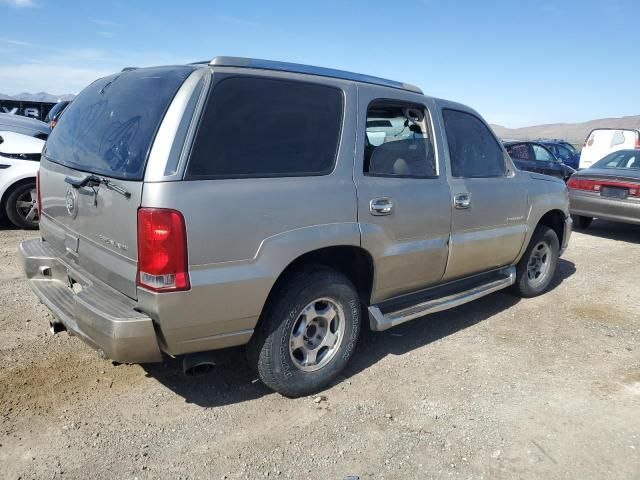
column 92, row 169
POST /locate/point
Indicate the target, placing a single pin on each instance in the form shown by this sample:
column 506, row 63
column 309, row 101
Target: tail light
column 637, row 147
column 162, row 250
column 53, row 123
column 38, row 194
column 596, row 185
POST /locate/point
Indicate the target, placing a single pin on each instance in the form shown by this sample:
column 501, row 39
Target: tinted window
column 255, row 127
column 108, row 129
column 473, row 149
column 519, row 152
column 542, row 154
column 398, row 141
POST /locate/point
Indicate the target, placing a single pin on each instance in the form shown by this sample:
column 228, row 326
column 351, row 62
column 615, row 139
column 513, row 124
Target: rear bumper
column 102, row 317
column 593, row 205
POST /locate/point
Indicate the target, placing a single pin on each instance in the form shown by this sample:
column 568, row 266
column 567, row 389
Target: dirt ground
column 497, row 389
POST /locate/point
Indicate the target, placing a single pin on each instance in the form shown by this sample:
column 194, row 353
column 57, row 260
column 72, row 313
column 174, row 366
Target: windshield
column 623, row 159
column 109, row 128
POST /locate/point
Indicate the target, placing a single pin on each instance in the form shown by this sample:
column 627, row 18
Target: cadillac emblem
column 71, row 202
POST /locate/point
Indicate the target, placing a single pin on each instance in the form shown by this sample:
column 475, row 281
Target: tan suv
column 197, row 207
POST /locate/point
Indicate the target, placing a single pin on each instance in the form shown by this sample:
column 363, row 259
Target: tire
column 538, row 265
column 282, row 350
column 21, row 207
column 581, row 222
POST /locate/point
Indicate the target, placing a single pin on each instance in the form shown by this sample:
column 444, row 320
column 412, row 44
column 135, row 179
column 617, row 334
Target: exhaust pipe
column 56, row 327
column 198, row 364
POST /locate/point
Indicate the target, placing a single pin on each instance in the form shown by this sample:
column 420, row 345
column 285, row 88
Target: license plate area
column 614, row 192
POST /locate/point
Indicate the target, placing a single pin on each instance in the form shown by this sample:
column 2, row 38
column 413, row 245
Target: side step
column 393, row 312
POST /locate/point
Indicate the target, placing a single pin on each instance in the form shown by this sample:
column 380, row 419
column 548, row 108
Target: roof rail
column 309, row 70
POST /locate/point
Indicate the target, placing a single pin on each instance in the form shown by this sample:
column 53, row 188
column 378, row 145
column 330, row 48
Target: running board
column 382, row 321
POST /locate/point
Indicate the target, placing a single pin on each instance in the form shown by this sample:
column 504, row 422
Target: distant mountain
column 38, row 97
column 575, row 133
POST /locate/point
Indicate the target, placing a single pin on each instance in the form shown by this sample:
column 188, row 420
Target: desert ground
column 545, row 388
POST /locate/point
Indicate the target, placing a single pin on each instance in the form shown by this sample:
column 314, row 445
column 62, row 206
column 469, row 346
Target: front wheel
column 308, row 332
column 22, row 206
column 537, row 267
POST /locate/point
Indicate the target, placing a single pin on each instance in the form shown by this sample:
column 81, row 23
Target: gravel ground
column 500, row 388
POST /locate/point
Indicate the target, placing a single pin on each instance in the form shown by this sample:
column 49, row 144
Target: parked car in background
column 536, row 157
column 330, row 191
column 602, row 141
column 19, row 163
column 609, row 189
column 563, row 151
column 54, row 114
column 24, row 125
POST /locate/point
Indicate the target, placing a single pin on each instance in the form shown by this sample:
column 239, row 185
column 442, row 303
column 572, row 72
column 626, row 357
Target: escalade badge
column 71, row 202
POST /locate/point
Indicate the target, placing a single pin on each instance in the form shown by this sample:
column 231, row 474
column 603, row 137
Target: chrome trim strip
column 380, row 322
column 163, row 143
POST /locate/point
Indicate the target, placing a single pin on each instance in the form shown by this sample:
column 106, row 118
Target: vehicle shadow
column 233, row 381
column 613, row 231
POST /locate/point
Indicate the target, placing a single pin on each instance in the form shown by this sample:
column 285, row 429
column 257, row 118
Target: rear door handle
column 381, row 206
column 462, row 201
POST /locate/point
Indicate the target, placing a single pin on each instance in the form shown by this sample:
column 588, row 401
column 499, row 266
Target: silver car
column 249, row 202
column 609, row 189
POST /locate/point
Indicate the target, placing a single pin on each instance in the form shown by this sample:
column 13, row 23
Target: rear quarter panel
column 242, row 234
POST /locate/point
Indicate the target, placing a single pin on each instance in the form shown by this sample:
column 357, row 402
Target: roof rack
column 309, row 70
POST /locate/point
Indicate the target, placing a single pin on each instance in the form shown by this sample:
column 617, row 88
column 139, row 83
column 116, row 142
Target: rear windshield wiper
column 94, row 181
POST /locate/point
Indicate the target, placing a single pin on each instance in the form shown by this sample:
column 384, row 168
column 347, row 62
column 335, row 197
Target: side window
column 260, row 127
column 473, row 149
column 519, row 152
column 398, row 141
column 542, row 154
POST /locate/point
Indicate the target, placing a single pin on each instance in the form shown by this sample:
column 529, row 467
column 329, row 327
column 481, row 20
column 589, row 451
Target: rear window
column 109, row 128
column 622, row 159
column 259, row 127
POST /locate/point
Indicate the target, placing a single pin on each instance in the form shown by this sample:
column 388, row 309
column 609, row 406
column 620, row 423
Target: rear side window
column 259, row 127
column 473, row 149
column 519, row 152
column 109, row 128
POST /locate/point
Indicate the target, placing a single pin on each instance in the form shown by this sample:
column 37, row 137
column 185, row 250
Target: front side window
column 563, row 152
column 542, row 154
column 473, row 149
column 260, row 127
column 398, row 141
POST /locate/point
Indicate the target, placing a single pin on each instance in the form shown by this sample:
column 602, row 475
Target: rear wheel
column 581, row 222
column 308, row 332
column 21, row 206
column 537, row 267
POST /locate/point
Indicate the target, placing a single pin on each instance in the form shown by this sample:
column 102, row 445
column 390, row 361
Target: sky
column 518, row 63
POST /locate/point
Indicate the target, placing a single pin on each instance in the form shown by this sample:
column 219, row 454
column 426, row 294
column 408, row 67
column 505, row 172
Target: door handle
column 462, row 201
column 381, row 206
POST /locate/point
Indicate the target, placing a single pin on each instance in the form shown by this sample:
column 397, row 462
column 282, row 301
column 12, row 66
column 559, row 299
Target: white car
column 19, row 164
column 603, row 141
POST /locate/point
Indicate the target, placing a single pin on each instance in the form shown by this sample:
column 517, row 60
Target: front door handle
column 381, row 206
column 462, row 201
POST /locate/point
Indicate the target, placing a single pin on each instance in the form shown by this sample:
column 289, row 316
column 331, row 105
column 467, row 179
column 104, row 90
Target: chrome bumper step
column 381, row 319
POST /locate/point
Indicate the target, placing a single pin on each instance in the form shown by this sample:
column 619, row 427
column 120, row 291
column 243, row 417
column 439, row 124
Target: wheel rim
column 317, row 334
column 539, row 264
column 27, row 205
